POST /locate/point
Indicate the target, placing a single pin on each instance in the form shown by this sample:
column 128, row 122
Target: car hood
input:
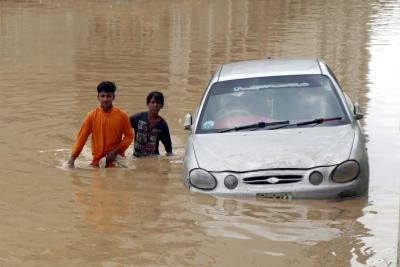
column 266, row 149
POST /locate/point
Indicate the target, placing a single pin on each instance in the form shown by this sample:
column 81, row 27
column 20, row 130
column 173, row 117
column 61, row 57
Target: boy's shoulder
column 120, row 111
column 163, row 121
column 93, row 112
column 139, row 115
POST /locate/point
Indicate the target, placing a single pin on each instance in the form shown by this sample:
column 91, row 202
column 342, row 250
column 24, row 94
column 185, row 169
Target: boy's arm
column 166, row 139
column 82, row 136
column 133, row 119
column 126, row 139
column 128, row 134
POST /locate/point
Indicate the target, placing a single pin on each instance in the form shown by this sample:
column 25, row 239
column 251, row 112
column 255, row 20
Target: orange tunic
column 108, row 129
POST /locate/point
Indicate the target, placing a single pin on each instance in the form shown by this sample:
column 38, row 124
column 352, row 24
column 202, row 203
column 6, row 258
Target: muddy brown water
column 54, row 53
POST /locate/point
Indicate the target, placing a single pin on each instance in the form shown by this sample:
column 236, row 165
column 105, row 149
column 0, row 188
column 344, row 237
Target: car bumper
column 295, row 188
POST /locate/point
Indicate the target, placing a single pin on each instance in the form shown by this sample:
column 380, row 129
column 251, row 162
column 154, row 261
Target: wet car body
column 276, row 128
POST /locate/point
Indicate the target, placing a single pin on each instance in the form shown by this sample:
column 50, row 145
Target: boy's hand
column 111, row 155
column 71, row 162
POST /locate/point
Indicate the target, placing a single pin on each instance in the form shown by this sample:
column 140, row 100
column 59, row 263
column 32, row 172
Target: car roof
column 268, row 67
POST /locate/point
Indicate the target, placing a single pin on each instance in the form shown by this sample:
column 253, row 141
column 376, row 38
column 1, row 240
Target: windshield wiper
column 315, row 121
column 257, row 125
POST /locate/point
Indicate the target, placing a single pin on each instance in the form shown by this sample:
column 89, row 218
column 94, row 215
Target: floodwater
column 54, row 53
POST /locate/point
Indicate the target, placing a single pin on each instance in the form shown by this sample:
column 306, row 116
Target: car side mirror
column 357, row 112
column 187, row 124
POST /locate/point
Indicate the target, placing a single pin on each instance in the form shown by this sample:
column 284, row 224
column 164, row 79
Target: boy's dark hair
column 158, row 96
column 106, row 86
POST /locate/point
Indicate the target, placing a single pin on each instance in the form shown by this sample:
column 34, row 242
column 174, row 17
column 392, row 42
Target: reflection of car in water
column 301, row 222
column 276, row 128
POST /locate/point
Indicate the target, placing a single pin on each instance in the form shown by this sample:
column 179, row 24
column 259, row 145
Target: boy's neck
column 107, row 109
column 152, row 115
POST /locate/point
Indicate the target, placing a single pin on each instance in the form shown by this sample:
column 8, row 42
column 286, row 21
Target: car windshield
column 297, row 98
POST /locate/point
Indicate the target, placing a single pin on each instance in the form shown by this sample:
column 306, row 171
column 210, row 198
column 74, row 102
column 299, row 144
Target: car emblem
column 273, row 180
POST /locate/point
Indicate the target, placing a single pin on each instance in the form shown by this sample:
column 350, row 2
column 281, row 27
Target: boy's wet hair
column 158, row 96
column 106, row 86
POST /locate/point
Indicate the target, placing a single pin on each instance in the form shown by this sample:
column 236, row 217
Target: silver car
column 280, row 128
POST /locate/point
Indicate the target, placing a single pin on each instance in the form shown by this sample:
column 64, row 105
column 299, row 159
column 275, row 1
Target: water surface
column 54, row 53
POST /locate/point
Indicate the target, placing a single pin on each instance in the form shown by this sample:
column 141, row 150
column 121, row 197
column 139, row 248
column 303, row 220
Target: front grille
column 273, row 179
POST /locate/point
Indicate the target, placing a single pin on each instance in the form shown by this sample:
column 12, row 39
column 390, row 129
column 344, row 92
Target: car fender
column 189, row 160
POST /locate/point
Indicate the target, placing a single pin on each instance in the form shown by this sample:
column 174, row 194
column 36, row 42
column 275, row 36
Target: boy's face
column 154, row 106
column 106, row 99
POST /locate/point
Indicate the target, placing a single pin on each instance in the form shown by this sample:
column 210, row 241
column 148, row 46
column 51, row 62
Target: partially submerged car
column 276, row 128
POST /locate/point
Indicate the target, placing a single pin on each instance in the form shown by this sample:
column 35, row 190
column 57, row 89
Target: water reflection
column 108, row 201
column 327, row 230
column 135, row 217
column 114, row 197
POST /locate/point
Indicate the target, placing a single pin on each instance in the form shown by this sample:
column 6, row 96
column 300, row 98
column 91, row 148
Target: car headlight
column 346, row 171
column 231, row 181
column 202, row 179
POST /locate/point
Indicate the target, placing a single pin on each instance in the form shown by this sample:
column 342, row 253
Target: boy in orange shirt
column 109, row 126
